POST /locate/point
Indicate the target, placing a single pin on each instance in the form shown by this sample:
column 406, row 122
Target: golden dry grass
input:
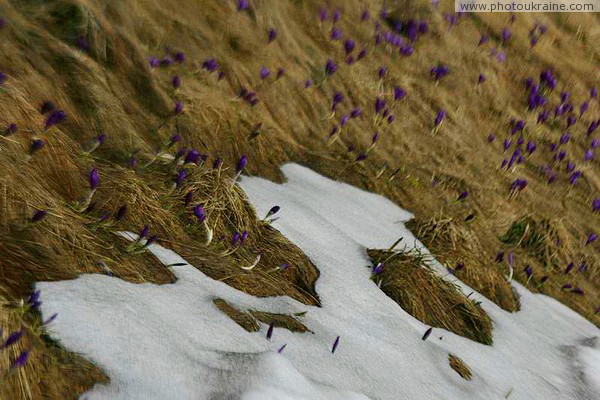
column 110, row 88
column 454, row 244
column 460, row 367
column 407, row 280
column 249, row 319
column 51, row 372
column 242, row 318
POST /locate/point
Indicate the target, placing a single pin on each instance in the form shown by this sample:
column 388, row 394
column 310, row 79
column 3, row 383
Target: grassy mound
column 462, row 252
column 407, row 280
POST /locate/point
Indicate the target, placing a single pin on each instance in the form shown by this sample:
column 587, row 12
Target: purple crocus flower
column 439, row 118
column 176, row 81
column 264, row 73
column 570, row 167
column 323, row 14
column 337, row 14
column 355, row 113
column 379, row 104
column 330, row 67
column 593, row 126
column 567, row 286
column 591, row 238
column 574, row 177
column 94, row 179
column 271, row 35
column 20, row 360
column 406, row 50
column 242, row 5
column 427, row 333
column 518, row 185
column 344, row 119
column 280, row 73
column 596, row 204
column 270, row 331
column 511, row 259
column 180, row 57
column 361, row 157
column 531, row 146
column 217, row 163
column 178, row 109
column 308, row 83
column 336, row 343
column 499, row 257
column 588, row 155
column 336, row 33
column 38, row 216
column 507, row 143
column 593, row 93
column 364, row 16
column 166, row 61
column 481, row 79
column 378, row 268
column 121, row 212
column 505, row 35
column 491, row 137
column 180, row 177
column 242, row 162
column 199, row 213
column 210, row 65
column 11, row 129
column 192, row 157
column 399, row 93
column 440, row 71
column 483, row 39
column 569, row 268
column 153, row 62
column 528, row 271
column 11, row 339
column 583, row 108
column 55, row 117
column 274, row 210
column 349, row 46
column 463, row 195
column 281, row 349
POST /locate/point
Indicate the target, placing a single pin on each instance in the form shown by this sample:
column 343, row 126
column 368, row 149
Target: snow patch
column 171, row 342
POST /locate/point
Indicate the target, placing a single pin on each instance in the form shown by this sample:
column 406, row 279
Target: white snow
column 171, row 342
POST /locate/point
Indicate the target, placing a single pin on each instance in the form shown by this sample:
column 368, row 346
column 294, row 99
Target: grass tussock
column 458, row 248
column 249, row 319
column 460, row 367
column 539, row 239
column 416, row 288
column 51, row 372
column 242, row 318
column 281, row 321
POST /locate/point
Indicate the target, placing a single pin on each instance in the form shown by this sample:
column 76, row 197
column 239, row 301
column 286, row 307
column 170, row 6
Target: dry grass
column 248, row 319
column 408, row 281
column 242, row 318
column 51, row 372
column 453, row 244
column 111, row 89
column 281, row 321
column 460, row 367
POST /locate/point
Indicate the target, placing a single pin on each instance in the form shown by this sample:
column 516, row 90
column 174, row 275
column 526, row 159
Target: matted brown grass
column 249, row 319
column 460, row 367
column 51, row 372
column 453, row 244
column 416, row 288
column 111, row 89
